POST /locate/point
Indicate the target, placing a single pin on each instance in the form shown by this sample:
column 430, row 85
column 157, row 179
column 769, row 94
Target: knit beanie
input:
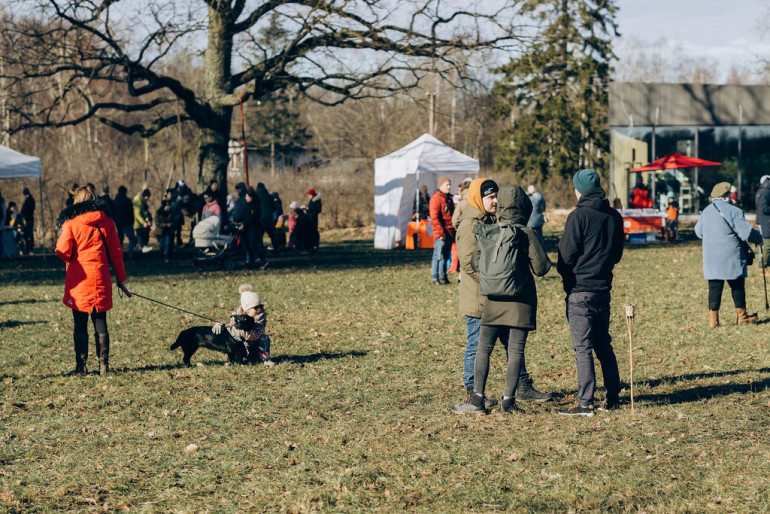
column 764, row 179
column 441, row 180
column 477, row 190
column 585, row 180
column 249, row 299
column 720, row 190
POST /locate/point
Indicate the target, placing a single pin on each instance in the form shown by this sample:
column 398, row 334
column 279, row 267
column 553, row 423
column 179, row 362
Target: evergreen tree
column 554, row 97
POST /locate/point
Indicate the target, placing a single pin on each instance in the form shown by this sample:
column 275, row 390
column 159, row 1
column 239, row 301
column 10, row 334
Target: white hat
column 181, row 183
column 733, row 189
column 249, row 299
column 293, row 205
column 764, row 179
column 467, row 180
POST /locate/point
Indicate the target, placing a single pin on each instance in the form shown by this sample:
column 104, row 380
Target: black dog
column 203, row 337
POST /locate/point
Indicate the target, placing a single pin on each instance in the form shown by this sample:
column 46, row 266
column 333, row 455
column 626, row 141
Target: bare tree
column 76, row 60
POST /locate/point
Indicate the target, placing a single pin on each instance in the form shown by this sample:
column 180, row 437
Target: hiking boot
column 445, row 281
column 713, row 319
column 437, row 283
column 746, row 318
column 104, row 353
column 526, row 392
column 81, row 353
column 577, row 410
column 609, row 405
column 474, row 405
column 508, row 406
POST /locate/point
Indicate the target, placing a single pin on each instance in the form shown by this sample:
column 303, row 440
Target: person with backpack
column 509, row 254
column 590, row 247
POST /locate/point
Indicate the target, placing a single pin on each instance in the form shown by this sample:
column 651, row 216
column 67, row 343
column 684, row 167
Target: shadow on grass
column 337, row 255
column 28, row 300
column 695, row 376
column 315, row 357
column 14, row 324
column 697, row 394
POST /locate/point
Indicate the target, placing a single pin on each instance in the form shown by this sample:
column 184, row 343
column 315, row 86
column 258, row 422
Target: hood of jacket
column 471, row 213
column 595, row 199
column 90, row 212
column 513, row 205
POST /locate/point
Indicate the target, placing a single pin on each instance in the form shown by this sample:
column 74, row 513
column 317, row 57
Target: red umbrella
column 675, row 161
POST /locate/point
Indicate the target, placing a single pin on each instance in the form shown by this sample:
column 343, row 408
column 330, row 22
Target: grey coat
column 723, row 257
column 536, row 219
column 763, row 208
column 514, row 208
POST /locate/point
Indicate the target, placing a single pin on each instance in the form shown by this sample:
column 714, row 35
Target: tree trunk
column 214, row 138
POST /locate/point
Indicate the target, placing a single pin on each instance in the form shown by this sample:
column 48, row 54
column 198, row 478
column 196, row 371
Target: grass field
column 355, row 415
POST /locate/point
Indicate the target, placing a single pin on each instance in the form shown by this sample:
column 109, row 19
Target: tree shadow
column 701, row 393
column 656, row 382
column 28, row 300
column 315, row 357
column 14, row 323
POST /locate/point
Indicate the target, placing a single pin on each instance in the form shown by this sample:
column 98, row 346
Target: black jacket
column 763, row 208
column 591, row 245
column 110, row 205
column 124, row 211
column 28, row 209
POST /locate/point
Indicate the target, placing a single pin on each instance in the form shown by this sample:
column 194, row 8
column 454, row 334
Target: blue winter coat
column 536, row 219
column 723, row 257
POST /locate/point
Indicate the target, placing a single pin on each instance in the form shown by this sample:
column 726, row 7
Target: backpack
column 499, row 270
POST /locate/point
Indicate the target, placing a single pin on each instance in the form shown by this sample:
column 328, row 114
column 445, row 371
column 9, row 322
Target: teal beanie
column 585, row 180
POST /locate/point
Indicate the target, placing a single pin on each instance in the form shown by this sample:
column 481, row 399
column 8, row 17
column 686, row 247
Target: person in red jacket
column 89, row 244
column 441, row 209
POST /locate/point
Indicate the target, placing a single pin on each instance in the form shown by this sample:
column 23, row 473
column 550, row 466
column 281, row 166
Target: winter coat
column 265, row 206
column 141, row 211
column 514, row 208
column 459, row 208
column 723, row 257
column 211, row 209
column 471, row 301
column 110, row 205
column 763, row 208
column 537, row 220
column 87, row 286
column 441, row 209
column 28, row 210
column 591, row 245
column 124, row 211
column 314, row 207
column 164, row 223
column 240, row 210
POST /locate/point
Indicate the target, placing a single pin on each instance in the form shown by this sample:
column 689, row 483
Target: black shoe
column 609, row 405
column 577, row 410
column 445, row 281
column 526, row 392
column 509, row 406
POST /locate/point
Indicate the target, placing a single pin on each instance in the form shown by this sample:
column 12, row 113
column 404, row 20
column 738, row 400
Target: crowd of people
column 250, row 214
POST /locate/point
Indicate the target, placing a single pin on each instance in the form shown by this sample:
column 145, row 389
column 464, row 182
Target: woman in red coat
column 89, row 244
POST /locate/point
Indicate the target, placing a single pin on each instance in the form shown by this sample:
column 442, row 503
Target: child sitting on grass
column 257, row 342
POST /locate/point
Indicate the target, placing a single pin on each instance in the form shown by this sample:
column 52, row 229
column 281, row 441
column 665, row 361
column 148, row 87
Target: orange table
column 643, row 221
column 425, row 237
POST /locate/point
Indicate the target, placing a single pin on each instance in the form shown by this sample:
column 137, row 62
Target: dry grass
column 354, row 416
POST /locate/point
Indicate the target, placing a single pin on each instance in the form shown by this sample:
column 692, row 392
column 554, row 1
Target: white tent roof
column 17, row 165
column 398, row 176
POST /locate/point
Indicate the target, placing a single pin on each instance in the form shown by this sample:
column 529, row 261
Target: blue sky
column 726, row 31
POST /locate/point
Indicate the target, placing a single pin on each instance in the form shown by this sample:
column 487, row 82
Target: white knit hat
column 293, row 205
column 764, row 178
column 249, row 299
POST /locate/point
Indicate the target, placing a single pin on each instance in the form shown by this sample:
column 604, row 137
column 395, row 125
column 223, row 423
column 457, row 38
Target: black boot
column 508, row 406
column 525, row 391
column 104, row 353
column 81, row 352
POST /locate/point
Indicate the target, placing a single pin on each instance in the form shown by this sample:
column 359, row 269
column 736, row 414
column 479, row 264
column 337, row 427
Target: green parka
column 513, row 207
column 471, row 301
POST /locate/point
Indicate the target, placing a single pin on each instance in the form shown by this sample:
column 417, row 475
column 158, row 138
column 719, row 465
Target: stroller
column 213, row 247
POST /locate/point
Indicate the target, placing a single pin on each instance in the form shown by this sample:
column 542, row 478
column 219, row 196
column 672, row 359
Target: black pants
column 29, row 236
column 99, row 320
column 488, row 335
column 738, row 288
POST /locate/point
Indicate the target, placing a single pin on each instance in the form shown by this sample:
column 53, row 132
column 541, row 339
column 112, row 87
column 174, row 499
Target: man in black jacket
column 28, row 213
column 590, row 247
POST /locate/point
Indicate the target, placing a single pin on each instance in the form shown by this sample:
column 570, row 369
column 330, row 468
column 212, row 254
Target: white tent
column 17, row 165
column 398, row 177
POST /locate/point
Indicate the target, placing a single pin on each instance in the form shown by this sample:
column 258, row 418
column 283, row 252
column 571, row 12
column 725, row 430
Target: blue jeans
column 472, row 328
column 539, row 232
column 166, row 242
column 441, row 251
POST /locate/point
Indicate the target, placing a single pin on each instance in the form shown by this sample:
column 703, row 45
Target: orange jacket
column 88, row 286
column 441, row 209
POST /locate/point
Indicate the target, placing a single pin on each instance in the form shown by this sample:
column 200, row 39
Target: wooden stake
column 630, row 324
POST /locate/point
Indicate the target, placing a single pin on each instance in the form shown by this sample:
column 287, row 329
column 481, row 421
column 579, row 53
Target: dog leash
column 120, row 292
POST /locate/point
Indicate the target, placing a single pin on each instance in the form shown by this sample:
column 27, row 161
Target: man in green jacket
column 481, row 208
column 142, row 219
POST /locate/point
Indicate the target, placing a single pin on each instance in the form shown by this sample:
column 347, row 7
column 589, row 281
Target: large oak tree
column 67, row 61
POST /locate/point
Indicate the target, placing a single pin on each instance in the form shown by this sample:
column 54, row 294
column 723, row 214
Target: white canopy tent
column 398, row 177
column 14, row 164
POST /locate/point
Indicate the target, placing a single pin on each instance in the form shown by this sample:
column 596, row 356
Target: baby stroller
column 213, row 247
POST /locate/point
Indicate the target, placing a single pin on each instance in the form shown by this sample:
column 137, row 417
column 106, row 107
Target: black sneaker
column 509, row 406
column 445, row 281
column 526, row 392
column 609, row 405
column 577, row 410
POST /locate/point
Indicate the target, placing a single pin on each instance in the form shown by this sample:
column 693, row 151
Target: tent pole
column 42, row 212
